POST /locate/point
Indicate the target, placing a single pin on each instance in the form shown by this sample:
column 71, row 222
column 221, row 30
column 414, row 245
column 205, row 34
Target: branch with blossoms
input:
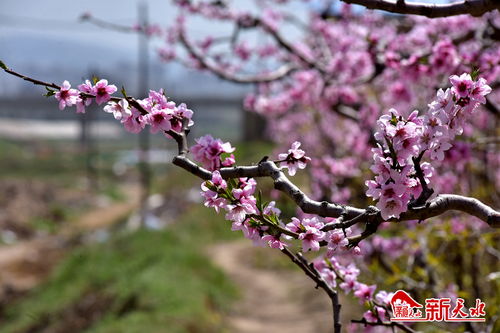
column 432, row 10
column 316, row 53
column 401, row 186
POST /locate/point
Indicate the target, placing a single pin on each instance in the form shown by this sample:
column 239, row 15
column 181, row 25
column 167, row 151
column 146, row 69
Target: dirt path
column 25, row 264
column 276, row 301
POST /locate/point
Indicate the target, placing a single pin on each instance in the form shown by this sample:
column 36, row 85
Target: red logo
column 406, row 309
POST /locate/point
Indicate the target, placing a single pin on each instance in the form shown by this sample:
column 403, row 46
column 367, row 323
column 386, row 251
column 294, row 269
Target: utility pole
column 144, row 136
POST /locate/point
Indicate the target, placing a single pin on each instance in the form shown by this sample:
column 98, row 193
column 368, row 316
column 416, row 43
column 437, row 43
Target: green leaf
column 475, row 74
column 394, row 119
column 424, row 60
column 49, row 92
column 232, row 184
column 124, row 92
column 95, row 79
column 2, row 65
column 259, row 201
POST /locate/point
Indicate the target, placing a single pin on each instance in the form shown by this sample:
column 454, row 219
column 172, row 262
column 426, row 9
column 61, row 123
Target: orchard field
column 270, row 165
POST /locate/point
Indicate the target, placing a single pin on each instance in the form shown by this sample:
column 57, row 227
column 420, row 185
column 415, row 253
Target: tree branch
column 432, row 10
column 401, row 326
column 445, row 202
column 437, row 206
column 275, row 75
column 311, row 272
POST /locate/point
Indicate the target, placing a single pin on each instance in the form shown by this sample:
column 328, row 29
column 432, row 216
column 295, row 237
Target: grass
column 145, row 281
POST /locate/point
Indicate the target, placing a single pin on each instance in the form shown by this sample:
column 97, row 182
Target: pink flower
column 159, row 120
column 183, row 112
column 374, row 189
column 391, row 208
column 157, row 100
column 103, row 91
column 249, row 183
column 295, row 225
column 80, row 105
column 274, row 242
column 133, row 123
column 84, row 101
column 67, row 96
column 212, row 200
column 243, row 51
column 356, row 250
column 381, row 165
column 378, row 313
column 207, row 150
column 461, row 84
column 351, row 271
column 336, row 239
column 479, row 90
column 383, row 297
column 311, row 234
column 443, row 101
column 167, row 53
column 205, row 44
column 237, row 212
column 271, row 209
column 393, row 200
column 294, row 159
column 348, row 284
column 86, row 87
column 119, row 110
column 218, row 181
column 438, row 148
column 241, row 193
column 364, row 292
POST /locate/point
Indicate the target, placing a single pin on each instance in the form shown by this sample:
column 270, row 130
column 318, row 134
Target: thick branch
column 445, row 202
column 437, row 206
column 432, row 10
column 281, row 182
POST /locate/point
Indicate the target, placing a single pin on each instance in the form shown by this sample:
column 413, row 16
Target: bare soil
column 25, row 264
column 272, row 300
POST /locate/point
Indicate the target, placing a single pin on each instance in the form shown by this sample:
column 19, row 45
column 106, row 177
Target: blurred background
column 98, row 233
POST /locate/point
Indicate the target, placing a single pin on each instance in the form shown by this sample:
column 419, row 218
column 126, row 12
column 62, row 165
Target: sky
column 45, row 39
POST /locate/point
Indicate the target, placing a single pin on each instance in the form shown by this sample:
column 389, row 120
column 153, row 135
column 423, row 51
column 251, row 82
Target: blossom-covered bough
column 344, row 90
column 472, row 7
column 402, row 185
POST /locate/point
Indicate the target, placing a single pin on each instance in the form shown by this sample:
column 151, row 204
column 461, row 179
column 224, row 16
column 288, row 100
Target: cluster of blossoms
column 237, row 198
column 346, row 71
column 83, row 97
column 209, row 151
column 332, row 272
column 403, row 143
column 260, row 222
column 351, row 70
column 155, row 110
